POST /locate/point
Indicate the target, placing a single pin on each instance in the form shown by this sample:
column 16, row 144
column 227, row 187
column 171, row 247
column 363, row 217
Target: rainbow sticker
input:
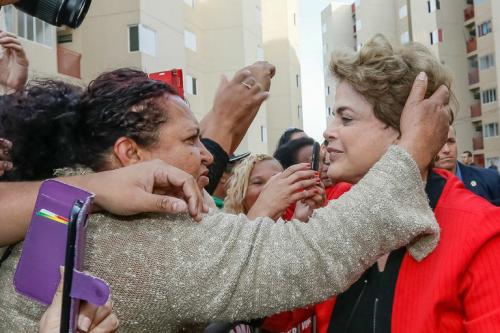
column 51, row 216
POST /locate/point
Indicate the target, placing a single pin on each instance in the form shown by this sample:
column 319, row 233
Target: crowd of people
column 390, row 234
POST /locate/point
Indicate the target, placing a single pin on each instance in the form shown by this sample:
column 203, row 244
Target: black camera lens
column 56, row 12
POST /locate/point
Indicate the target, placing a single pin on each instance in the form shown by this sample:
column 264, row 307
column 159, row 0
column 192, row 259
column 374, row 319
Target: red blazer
column 457, row 287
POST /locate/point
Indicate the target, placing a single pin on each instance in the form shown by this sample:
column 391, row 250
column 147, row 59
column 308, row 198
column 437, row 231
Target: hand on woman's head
column 425, row 122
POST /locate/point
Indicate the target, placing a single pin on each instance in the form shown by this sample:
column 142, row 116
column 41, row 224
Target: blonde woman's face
column 356, row 138
column 260, row 175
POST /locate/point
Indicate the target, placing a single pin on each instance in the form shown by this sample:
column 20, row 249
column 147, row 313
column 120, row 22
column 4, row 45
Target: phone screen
column 69, row 264
column 315, row 157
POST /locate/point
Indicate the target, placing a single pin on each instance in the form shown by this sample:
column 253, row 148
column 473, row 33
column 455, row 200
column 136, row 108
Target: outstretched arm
column 131, row 190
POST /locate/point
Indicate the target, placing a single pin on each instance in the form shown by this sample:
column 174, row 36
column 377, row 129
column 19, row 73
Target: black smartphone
column 315, row 156
column 69, row 264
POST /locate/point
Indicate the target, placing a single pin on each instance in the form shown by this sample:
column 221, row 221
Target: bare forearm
column 16, row 204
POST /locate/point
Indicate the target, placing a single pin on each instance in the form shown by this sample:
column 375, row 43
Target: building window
column 490, row 130
column 405, row 37
column 258, row 15
column 436, row 36
column 190, row 40
column 260, row 53
column 263, row 134
column 432, row 5
column 190, row 85
column 190, row 3
column 359, row 25
column 299, row 111
column 487, row 61
column 28, row 27
column 10, row 18
column 297, row 80
column 67, row 38
column 294, row 18
column 485, row 28
column 403, row 12
column 492, row 161
column 489, row 96
column 142, row 38
column 328, row 111
column 327, row 90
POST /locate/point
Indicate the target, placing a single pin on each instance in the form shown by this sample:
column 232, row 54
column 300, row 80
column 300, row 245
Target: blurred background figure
column 295, row 152
column 483, row 182
column 290, row 134
column 220, row 191
column 466, row 158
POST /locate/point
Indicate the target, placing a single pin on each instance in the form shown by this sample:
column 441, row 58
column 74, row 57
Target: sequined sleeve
column 171, row 271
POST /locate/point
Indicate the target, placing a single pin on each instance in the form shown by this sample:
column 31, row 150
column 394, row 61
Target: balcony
column 473, row 76
column 471, row 45
column 475, row 110
column 68, row 62
column 468, row 12
column 477, row 143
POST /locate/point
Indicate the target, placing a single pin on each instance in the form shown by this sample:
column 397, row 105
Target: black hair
column 287, row 154
column 468, row 152
column 287, row 135
column 53, row 124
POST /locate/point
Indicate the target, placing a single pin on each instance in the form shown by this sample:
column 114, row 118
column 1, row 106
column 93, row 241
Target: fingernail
column 175, row 207
column 84, row 323
column 422, row 76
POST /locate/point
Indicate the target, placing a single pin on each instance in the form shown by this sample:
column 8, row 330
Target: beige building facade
column 197, row 36
column 463, row 34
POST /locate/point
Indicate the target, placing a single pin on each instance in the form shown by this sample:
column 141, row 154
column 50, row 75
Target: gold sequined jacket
column 167, row 271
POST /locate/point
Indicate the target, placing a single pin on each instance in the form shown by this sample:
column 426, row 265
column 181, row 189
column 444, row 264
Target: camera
column 56, row 12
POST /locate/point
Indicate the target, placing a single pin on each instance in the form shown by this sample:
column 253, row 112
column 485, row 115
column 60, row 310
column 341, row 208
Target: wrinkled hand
column 13, row 62
column 5, row 164
column 236, row 104
column 91, row 318
column 425, row 122
column 295, row 183
column 262, row 72
column 151, row 186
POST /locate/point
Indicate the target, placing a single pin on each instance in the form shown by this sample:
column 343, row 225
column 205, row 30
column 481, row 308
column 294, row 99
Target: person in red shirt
column 455, row 289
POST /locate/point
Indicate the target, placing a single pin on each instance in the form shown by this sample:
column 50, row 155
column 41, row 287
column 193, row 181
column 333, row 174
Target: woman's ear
column 128, row 152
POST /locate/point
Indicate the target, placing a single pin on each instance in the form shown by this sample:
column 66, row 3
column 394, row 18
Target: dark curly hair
column 287, row 153
column 53, row 124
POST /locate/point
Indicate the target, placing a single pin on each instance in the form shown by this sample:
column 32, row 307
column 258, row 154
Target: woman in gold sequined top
column 166, row 271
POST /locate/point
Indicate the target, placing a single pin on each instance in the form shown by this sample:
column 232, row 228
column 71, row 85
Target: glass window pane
column 30, row 27
column 133, row 33
column 147, row 40
column 39, row 31
column 49, row 32
column 9, row 18
column 21, row 24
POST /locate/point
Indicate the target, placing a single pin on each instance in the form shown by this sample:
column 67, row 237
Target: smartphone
column 68, row 304
column 315, row 156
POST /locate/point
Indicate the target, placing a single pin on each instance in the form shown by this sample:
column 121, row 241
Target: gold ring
column 246, row 85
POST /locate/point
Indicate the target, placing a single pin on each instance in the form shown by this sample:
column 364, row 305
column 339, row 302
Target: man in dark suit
column 483, row 182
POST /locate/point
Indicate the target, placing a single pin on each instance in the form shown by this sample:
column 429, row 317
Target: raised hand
column 13, row 63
